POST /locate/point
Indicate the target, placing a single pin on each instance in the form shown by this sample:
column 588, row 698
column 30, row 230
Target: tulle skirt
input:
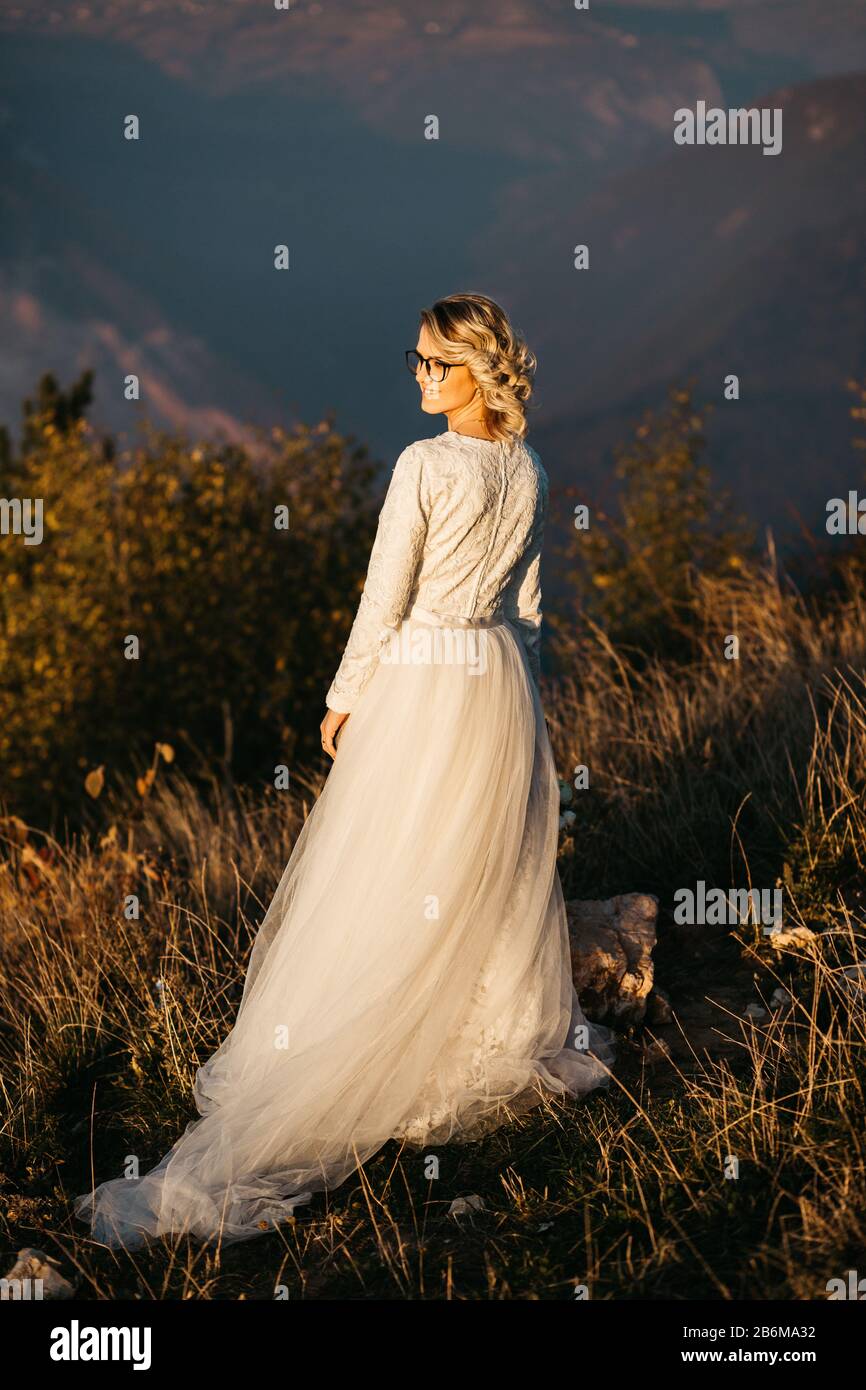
column 411, row 978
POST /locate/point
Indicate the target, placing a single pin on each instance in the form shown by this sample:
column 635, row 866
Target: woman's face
column 455, row 393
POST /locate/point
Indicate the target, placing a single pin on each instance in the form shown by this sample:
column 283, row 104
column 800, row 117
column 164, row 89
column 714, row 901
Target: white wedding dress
column 411, row 978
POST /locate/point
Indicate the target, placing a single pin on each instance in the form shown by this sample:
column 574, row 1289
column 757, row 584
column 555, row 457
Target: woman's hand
column 330, row 728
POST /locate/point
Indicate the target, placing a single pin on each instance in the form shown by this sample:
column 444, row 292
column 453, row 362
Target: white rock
column 787, row 937
column 35, row 1264
column 612, row 942
column 756, row 1012
column 464, row 1206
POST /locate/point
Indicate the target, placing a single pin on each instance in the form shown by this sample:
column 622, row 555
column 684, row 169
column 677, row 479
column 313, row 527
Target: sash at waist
column 424, row 615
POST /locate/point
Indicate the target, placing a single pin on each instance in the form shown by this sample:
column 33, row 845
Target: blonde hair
column 473, row 330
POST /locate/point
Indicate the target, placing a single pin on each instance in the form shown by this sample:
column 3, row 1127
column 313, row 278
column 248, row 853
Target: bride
column 411, row 978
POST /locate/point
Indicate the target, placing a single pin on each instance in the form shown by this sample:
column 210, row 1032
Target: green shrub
column 634, row 573
column 240, row 624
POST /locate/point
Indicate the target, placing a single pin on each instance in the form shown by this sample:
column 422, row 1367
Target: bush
column 239, row 624
column 635, row 574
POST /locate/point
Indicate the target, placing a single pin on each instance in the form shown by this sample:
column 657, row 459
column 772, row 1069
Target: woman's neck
column 472, row 426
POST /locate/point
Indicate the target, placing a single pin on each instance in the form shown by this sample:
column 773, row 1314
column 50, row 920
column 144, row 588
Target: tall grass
column 737, row 772
column 719, row 769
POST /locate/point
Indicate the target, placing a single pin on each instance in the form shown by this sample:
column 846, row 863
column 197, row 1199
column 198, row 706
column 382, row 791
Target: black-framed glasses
column 437, row 371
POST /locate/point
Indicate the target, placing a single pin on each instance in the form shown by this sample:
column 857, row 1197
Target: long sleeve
column 523, row 597
column 394, row 562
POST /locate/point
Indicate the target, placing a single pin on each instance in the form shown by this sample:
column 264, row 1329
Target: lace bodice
column 460, row 535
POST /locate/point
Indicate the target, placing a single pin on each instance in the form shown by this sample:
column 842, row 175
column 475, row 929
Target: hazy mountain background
column 306, row 127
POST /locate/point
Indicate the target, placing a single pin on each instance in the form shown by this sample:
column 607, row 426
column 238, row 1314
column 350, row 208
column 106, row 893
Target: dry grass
column 735, row 772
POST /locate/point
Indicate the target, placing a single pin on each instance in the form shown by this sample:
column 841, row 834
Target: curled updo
column 473, row 330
